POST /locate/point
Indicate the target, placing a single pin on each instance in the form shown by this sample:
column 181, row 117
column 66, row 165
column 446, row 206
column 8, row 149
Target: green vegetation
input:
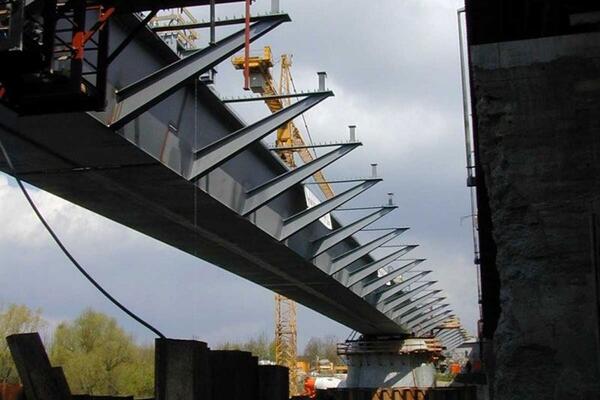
column 260, row 346
column 15, row 319
column 100, row 358
column 325, row 347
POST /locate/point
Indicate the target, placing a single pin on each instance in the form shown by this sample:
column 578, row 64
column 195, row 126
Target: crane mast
column 288, row 143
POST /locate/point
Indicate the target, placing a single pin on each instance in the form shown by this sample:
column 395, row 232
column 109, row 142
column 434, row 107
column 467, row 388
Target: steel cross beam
column 375, row 284
column 446, row 332
column 344, row 260
column 434, row 321
column 266, row 192
column 140, row 96
column 451, row 336
column 366, row 271
column 326, row 242
column 299, row 221
column 415, row 302
column 454, row 343
column 425, row 315
column 392, row 303
column 370, row 287
column 218, row 152
column 419, row 308
column 395, row 289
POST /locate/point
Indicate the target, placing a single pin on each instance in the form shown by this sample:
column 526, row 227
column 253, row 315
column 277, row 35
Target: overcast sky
column 394, row 68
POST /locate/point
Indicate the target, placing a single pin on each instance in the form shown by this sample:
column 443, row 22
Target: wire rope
column 60, row 244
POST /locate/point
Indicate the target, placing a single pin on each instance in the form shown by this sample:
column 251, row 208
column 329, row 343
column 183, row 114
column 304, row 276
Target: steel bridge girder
column 215, row 154
column 140, row 96
column 257, row 197
column 299, row 221
column 333, row 238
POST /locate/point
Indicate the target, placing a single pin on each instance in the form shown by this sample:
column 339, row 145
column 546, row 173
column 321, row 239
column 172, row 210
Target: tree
column 325, row 347
column 15, row 319
column 260, row 346
column 98, row 357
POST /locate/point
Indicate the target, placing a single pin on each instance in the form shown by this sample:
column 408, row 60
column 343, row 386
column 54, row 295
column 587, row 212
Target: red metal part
column 80, row 38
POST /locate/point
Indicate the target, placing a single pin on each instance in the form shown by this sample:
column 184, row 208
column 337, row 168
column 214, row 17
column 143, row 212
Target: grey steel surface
column 396, row 301
column 266, row 192
column 141, row 95
column 417, row 311
column 348, row 258
column 333, row 238
column 365, row 273
column 138, row 177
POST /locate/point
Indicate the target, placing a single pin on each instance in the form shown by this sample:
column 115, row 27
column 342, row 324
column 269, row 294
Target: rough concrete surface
column 538, row 110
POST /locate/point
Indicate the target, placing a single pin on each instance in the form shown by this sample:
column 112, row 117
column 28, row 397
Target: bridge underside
column 67, row 155
column 130, row 176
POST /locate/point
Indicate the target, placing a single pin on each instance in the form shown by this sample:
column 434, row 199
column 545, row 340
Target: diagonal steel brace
column 216, row 153
column 299, row 221
column 140, row 96
column 266, row 192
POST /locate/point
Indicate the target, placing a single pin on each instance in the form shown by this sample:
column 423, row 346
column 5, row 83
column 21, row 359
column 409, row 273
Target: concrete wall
column 537, row 116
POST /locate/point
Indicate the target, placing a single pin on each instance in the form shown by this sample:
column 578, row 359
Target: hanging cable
column 62, row 246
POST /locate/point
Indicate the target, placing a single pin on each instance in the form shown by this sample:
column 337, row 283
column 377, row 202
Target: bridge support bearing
column 389, row 363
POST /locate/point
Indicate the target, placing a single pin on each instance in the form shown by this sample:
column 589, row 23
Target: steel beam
column 394, row 302
column 326, row 242
column 218, row 152
column 367, row 270
column 140, row 96
column 371, row 286
column 434, row 321
column 451, row 336
column 455, row 343
column 403, row 316
column 299, row 221
column 427, row 314
column 444, row 335
column 266, row 192
column 346, row 259
column 393, row 290
column 414, row 302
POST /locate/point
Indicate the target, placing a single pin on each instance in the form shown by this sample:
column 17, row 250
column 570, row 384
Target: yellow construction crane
column 288, row 135
column 289, row 142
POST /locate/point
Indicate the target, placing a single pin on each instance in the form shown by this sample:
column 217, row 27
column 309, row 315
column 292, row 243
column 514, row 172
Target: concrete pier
column 234, row 375
column 182, row 370
column 389, row 364
column 273, row 382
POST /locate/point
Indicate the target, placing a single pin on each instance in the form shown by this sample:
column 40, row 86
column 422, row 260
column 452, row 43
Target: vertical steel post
column 213, row 35
column 247, row 49
column 352, row 133
column 322, row 78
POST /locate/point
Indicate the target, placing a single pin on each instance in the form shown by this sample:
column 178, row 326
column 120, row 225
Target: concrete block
column 234, row 375
column 273, row 382
column 182, row 370
column 40, row 380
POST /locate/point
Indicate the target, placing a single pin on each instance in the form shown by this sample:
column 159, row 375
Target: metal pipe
column 352, row 133
column 213, row 35
column 322, row 77
column 373, row 170
column 274, row 6
column 247, row 48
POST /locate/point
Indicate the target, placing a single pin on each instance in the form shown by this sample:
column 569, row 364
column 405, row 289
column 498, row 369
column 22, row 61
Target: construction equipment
column 289, row 142
column 289, row 139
